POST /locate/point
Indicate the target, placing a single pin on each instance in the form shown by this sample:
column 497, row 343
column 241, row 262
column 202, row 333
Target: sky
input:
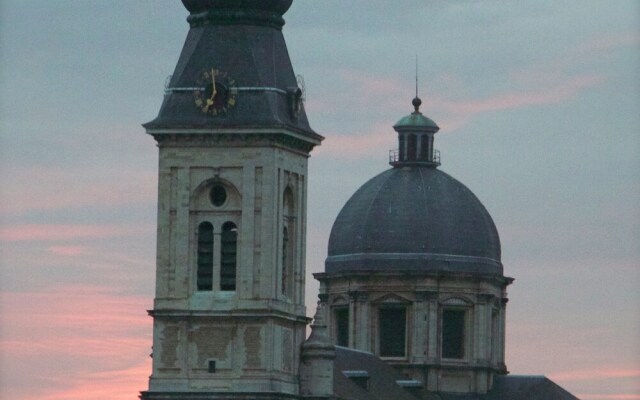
column 539, row 107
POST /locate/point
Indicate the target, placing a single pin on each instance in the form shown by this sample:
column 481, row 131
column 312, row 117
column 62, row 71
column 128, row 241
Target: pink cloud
column 50, row 232
column 458, row 113
column 377, row 143
column 603, row 43
column 89, row 341
column 59, row 188
column 123, row 384
column 591, row 374
column 619, row 396
column 67, row 250
column 511, row 100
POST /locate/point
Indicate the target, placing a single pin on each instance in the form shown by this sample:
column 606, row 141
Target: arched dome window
column 453, row 333
column 392, row 331
column 205, row 257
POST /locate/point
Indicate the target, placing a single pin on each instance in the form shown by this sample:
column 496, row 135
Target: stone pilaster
column 359, row 303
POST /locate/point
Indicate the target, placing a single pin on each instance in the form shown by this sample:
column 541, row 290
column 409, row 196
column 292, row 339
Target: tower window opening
column 288, row 241
column 342, row 326
column 425, row 148
column 453, row 333
column 211, row 367
column 412, row 147
column 228, row 256
column 205, row 257
column 285, row 260
column 392, row 330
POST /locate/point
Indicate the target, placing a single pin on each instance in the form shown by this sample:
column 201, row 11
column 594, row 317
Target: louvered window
column 285, row 260
column 228, row 256
column 205, row 256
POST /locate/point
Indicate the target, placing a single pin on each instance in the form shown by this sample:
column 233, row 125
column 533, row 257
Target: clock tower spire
column 233, row 138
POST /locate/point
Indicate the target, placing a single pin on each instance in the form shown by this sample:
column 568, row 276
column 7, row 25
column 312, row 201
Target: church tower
column 233, row 138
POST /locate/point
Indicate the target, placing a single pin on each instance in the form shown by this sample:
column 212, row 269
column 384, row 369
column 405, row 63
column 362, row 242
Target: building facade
column 233, row 138
column 412, row 300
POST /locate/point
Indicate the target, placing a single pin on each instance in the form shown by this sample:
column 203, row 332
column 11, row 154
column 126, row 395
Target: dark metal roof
column 414, row 218
column 382, row 383
column 255, row 57
column 381, row 377
column 514, row 387
column 276, row 6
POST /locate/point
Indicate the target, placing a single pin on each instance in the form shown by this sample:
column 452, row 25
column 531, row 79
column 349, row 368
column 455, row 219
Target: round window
column 218, row 195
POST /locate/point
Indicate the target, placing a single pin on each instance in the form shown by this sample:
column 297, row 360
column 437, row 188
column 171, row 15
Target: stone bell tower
column 233, row 139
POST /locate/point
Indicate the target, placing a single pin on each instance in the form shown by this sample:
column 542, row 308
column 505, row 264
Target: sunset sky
column 539, row 107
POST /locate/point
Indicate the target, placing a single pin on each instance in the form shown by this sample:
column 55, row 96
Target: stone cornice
column 233, row 314
column 412, row 275
column 237, row 138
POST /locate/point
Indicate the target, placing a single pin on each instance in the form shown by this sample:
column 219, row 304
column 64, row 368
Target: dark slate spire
column 234, row 73
column 415, row 139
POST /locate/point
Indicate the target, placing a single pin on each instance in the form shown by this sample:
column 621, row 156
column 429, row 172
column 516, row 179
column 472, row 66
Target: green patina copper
column 416, row 120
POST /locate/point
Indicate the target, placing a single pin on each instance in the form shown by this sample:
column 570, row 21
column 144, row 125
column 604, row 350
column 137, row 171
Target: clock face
column 216, row 92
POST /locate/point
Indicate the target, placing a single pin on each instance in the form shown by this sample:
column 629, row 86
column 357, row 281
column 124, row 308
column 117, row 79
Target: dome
column 415, row 219
column 416, row 120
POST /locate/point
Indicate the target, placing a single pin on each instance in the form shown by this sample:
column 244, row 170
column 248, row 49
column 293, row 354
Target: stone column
column 420, row 327
column 432, row 355
column 359, row 303
column 502, row 333
column 182, row 237
column 244, row 279
column 483, row 319
column 431, row 298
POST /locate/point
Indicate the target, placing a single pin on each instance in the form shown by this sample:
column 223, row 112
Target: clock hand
column 213, row 82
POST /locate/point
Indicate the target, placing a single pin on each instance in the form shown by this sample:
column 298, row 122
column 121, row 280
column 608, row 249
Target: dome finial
column 416, row 104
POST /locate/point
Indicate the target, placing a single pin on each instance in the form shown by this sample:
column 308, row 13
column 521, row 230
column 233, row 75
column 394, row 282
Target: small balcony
column 394, row 159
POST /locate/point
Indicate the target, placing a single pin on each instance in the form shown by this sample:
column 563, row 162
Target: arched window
column 288, row 235
column 205, row 256
column 453, row 333
column 228, row 256
column 341, row 318
column 285, row 261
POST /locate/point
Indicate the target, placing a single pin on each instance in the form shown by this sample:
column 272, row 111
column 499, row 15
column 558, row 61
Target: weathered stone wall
column 252, row 334
column 424, row 296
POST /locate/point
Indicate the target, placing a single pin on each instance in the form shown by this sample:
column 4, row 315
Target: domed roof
column 414, row 218
column 416, row 120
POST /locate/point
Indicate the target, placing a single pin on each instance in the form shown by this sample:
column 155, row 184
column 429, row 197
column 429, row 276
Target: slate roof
column 382, row 377
column 253, row 56
column 414, row 218
column 382, row 383
column 515, row 387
